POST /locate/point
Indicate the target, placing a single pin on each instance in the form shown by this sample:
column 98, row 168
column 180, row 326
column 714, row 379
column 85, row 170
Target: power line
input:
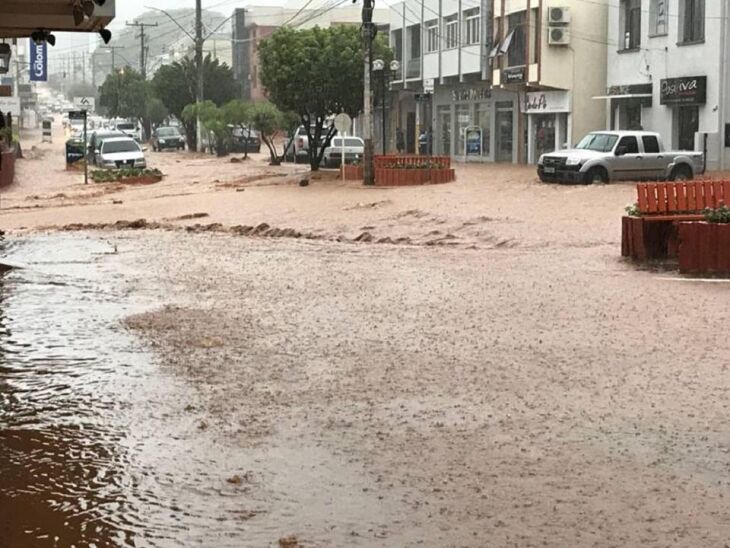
column 142, row 52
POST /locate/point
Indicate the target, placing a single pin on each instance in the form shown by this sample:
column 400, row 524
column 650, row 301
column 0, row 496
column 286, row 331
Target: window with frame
column 432, row 36
column 630, row 19
column 472, row 27
column 451, row 32
column 658, row 14
column 516, row 48
column 629, row 144
column 691, row 21
column 414, row 40
column 651, row 144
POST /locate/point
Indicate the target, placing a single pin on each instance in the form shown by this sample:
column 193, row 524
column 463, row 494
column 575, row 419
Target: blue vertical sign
column 38, row 61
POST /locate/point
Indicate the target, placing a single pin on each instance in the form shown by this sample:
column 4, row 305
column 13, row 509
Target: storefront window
column 444, row 129
column 544, row 128
column 463, row 120
column 688, row 123
column 504, row 131
column 482, row 118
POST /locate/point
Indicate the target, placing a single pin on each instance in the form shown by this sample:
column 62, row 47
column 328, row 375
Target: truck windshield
column 600, row 142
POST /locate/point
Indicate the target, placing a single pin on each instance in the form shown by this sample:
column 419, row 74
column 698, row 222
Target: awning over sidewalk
column 625, row 96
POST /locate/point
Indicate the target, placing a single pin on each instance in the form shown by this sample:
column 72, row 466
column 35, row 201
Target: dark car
column 245, row 140
column 167, row 137
column 96, row 138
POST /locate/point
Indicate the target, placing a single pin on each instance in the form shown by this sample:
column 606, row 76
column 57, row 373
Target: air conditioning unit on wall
column 558, row 16
column 558, row 36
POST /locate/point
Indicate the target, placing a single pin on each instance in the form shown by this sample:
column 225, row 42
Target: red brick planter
column 7, row 167
column 704, row 248
column 352, row 173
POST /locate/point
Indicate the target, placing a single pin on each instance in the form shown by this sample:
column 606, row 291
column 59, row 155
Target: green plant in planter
column 721, row 215
column 632, row 210
column 111, row 175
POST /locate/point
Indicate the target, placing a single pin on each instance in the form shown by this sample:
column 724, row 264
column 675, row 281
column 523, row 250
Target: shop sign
column 514, row 75
column 428, row 85
column 473, row 140
column 471, row 94
column 11, row 105
column 547, row 102
column 688, row 90
column 630, row 89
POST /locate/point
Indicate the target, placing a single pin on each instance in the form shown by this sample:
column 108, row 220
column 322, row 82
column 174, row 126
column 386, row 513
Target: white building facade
column 667, row 72
column 499, row 80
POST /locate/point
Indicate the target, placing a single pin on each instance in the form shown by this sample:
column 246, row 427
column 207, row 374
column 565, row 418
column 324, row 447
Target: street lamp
column 379, row 67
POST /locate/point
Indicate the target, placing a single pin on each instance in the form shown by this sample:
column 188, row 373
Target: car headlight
column 140, row 163
column 162, row 141
column 574, row 161
column 109, row 164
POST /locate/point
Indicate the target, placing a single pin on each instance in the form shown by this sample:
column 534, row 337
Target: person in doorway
column 400, row 141
column 423, row 143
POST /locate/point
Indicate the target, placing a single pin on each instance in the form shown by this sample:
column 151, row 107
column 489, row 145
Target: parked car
column 604, row 156
column 167, row 137
column 298, row 150
column 119, row 152
column 245, row 140
column 96, row 138
column 129, row 128
column 354, row 151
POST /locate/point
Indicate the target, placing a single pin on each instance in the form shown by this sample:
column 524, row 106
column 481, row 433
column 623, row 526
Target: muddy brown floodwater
column 172, row 389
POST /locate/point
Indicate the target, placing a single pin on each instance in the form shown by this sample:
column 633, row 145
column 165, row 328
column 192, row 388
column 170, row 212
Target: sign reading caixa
column 682, row 91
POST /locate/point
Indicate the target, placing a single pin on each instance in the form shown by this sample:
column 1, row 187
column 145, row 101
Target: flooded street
column 98, row 445
column 169, row 389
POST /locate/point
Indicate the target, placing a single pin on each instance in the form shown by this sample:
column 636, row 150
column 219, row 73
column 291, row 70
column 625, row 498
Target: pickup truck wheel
column 596, row 175
column 681, row 173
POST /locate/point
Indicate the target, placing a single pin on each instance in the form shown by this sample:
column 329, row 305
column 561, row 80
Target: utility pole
column 113, row 50
column 142, row 56
column 199, row 65
column 367, row 133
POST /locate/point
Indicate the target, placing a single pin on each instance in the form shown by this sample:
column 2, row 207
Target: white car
column 120, row 152
column 354, row 150
column 130, row 128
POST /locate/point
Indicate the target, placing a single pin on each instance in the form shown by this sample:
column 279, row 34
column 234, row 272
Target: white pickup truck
column 604, row 156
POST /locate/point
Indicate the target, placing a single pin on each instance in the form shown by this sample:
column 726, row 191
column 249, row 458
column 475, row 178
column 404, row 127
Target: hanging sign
column 38, row 61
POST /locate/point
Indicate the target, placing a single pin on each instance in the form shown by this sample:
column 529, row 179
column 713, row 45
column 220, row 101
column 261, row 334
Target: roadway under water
column 99, row 446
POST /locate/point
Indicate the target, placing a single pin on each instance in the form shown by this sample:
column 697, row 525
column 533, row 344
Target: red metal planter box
column 704, row 248
column 416, row 176
column 7, row 167
column 352, row 173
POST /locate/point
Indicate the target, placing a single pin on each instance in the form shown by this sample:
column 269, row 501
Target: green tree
column 268, row 121
column 316, row 73
column 175, row 86
column 124, row 94
column 156, row 111
column 213, row 120
column 238, row 113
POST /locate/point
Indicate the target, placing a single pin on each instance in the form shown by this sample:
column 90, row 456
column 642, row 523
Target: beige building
column 499, row 80
column 552, row 53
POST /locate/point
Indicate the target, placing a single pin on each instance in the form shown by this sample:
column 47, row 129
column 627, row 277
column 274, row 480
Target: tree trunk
column 274, row 159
